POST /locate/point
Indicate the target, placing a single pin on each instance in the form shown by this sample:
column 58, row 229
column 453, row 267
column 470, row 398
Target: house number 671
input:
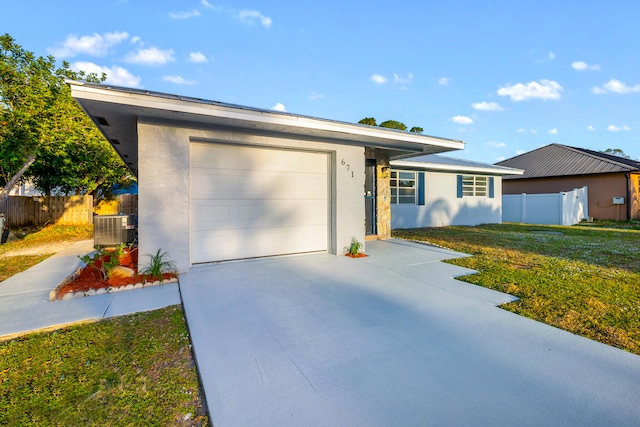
column 346, row 165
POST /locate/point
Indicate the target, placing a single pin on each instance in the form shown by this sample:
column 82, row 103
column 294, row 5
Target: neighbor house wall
column 163, row 174
column 602, row 189
column 442, row 207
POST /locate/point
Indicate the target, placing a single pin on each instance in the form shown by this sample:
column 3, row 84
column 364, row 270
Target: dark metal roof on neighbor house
column 561, row 160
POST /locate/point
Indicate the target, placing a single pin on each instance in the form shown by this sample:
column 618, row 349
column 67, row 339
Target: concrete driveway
column 390, row 340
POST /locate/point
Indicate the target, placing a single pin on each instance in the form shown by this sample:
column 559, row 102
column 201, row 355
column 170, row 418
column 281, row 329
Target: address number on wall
column 347, row 166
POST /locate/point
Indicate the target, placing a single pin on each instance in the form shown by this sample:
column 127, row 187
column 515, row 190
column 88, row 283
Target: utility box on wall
column 618, row 200
column 112, row 230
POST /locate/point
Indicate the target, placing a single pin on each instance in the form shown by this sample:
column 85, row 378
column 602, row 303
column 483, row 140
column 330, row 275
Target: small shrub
column 104, row 260
column 159, row 264
column 355, row 247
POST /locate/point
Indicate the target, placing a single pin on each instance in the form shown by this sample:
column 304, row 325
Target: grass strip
column 130, row 370
column 583, row 279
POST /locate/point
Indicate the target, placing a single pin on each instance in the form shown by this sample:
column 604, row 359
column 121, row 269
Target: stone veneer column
column 383, row 191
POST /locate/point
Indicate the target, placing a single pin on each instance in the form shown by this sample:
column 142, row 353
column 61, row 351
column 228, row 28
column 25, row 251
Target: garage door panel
column 226, row 244
column 244, row 158
column 251, row 202
column 211, row 215
column 233, row 184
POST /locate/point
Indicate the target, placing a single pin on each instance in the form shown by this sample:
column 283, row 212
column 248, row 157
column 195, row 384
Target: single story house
column 218, row 181
column 434, row 191
column 613, row 182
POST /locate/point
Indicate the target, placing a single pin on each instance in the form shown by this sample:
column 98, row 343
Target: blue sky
column 504, row 76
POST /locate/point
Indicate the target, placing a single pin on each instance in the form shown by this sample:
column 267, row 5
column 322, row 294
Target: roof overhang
column 116, row 112
column 439, row 167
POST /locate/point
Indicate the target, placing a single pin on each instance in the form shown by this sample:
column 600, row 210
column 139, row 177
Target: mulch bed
column 358, row 255
column 89, row 277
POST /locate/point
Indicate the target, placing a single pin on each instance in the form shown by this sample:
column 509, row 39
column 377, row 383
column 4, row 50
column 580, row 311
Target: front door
column 370, row 197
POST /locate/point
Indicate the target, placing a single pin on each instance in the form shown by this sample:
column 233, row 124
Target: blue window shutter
column 459, row 186
column 421, row 188
column 491, row 187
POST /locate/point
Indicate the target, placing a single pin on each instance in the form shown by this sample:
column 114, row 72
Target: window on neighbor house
column 403, row 187
column 474, row 186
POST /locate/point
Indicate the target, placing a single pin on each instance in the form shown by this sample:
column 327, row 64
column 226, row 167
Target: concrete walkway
column 25, row 305
column 392, row 339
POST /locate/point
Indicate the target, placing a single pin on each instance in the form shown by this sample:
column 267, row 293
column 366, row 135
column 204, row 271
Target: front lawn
column 130, row 370
column 42, row 240
column 584, row 279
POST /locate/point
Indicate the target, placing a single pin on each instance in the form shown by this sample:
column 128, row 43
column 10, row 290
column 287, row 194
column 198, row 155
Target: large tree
column 616, row 152
column 45, row 136
column 392, row 124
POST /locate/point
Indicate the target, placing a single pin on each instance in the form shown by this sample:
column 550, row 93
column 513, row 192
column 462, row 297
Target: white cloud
column 377, row 78
column 518, row 152
column 94, row 45
column 444, row 81
column 398, row 79
column 462, row 120
column 545, row 89
column 499, row 159
column 315, row 95
column 552, row 56
column 251, row 16
column 521, row 130
column 197, row 57
column 135, row 39
column 115, row 75
column 617, row 86
column 178, row 80
column 583, row 66
column 486, row 106
column 184, row 15
column 614, row 128
column 590, row 128
column 205, row 3
column 533, row 131
column 279, row 107
column 151, row 56
column 553, row 131
column 495, row 144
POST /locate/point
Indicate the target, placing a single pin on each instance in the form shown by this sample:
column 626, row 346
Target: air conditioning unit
column 112, row 230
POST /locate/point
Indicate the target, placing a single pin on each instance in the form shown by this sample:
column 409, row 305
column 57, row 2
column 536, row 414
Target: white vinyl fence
column 565, row 208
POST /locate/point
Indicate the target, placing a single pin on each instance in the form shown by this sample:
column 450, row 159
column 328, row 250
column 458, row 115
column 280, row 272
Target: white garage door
column 250, row 202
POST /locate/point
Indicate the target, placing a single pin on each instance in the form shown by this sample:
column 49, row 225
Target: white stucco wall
column 442, row 206
column 163, row 195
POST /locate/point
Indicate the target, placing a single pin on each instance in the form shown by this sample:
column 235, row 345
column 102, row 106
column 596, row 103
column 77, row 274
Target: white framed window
column 474, row 185
column 403, row 187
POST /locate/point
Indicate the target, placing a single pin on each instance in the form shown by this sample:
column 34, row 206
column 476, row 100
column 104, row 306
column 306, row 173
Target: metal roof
column 562, row 160
column 434, row 162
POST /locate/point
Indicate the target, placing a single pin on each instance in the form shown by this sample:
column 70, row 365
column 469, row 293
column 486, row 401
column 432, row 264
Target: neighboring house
column 433, row 191
column 218, row 181
column 613, row 182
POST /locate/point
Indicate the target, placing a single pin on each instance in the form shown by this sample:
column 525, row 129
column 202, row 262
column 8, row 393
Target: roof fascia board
column 141, row 100
column 455, row 168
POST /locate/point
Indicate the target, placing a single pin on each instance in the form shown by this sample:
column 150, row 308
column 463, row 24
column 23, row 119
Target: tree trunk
column 4, row 193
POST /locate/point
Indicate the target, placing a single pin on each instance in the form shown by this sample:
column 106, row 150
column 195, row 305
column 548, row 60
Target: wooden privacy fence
column 23, row 211
column 123, row 204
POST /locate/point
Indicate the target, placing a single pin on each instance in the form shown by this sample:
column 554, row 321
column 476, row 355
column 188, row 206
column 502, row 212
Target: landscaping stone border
column 53, row 295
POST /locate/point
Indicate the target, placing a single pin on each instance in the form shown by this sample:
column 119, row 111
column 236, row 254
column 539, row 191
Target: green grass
column 31, row 237
column 130, row 370
column 584, row 279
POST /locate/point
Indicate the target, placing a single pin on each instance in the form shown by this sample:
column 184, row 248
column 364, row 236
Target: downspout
column 628, row 176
